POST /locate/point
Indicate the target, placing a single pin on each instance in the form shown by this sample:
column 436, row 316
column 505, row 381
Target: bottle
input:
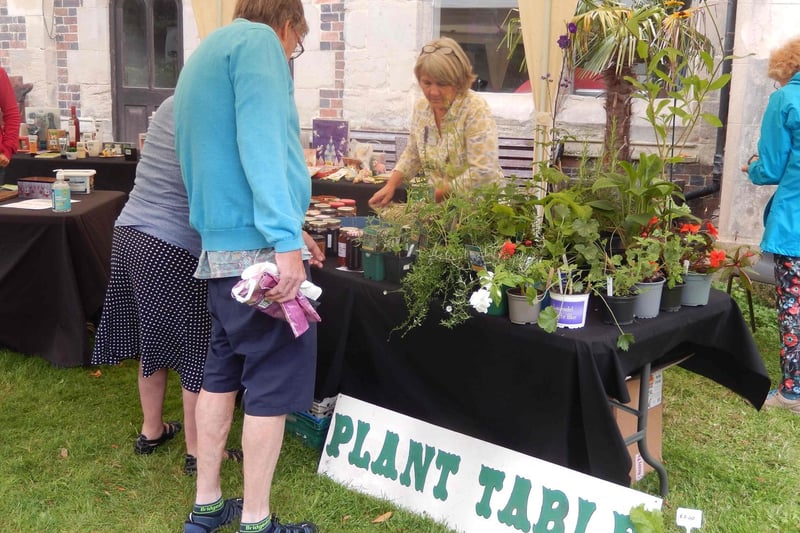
column 74, row 128
column 61, row 194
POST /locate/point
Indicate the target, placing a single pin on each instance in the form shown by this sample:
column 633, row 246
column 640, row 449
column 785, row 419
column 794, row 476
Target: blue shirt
column 778, row 164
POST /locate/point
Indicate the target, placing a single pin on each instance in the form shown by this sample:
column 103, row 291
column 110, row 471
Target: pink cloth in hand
column 297, row 312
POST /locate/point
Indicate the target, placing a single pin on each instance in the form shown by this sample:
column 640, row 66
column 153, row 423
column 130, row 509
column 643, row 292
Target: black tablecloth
column 113, row 173
column 54, row 268
column 517, row 386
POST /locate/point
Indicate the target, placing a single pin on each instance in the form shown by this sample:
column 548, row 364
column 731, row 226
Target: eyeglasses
column 431, row 48
column 298, row 50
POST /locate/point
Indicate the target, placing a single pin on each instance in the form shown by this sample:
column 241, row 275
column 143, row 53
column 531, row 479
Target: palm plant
column 608, row 38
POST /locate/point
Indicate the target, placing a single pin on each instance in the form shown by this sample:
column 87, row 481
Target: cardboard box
column 627, row 423
column 35, row 187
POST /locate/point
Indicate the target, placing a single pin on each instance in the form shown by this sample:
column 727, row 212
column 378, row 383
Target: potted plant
column 519, row 277
column 465, row 224
column 703, row 258
column 644, row 254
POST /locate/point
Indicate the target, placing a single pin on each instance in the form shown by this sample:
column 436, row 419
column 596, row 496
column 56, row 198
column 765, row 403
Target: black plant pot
column 618, row 309
column 671, row 298
column 396, row 266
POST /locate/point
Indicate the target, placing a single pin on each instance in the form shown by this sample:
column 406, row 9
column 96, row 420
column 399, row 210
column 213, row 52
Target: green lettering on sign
column 384, row 465
column 419, row 464
column 447, row 463
column 623, row 524
column 492, row 481
column 585, row 511
column 555, row 508
column 515, row 513
column 342, row 432
column 356, row 458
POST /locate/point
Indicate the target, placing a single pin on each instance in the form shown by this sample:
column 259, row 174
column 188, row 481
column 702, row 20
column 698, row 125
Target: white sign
column 469, row 485
column 689, row 519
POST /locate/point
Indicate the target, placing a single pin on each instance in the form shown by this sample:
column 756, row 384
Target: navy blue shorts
column 254, row 351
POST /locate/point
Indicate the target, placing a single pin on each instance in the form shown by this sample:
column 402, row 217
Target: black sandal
column 190, row 461
column 145, row 446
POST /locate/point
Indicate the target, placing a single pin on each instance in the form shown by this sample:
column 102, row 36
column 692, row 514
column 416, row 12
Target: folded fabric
column 258, row 279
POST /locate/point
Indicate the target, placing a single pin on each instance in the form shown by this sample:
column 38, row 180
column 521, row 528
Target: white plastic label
column 689, row 519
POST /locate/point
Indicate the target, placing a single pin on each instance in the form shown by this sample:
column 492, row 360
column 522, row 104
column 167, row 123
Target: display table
column 117, row 174
column 54, row 268
column 542, row 394
column 360, row 192
column 113, row 173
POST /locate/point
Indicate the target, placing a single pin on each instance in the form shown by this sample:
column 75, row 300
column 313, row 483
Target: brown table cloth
column 54, row 268
column 542, row 394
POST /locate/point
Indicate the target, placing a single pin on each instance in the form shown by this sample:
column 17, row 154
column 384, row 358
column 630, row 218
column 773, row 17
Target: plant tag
column 689, row 519
column 609, row 286
column 476, row 261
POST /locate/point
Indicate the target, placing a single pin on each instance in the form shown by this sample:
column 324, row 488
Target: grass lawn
column 67, row 461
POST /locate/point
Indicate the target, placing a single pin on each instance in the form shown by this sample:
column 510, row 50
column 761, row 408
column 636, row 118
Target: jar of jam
column 353, row 250
column 332, row 237
column 345, row 211
column 341, row 250
column 350, row 202
column 318, row 229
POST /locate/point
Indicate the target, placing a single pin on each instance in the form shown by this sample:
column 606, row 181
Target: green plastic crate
column 312, row 430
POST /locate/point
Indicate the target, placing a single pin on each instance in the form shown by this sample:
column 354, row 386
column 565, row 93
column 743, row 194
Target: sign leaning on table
column 468, row 484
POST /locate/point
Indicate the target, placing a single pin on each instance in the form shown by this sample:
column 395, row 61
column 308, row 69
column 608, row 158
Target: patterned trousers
column 787, row 288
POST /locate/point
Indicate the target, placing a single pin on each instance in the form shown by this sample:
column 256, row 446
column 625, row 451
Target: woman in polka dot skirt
column 154, row 308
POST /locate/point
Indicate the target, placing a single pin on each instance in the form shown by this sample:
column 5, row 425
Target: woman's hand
column 317, row 255
column 4, row 161
column 746, row 167
column 383, row 196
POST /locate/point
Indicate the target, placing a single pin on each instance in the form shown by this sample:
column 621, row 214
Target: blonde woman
column 453, row 137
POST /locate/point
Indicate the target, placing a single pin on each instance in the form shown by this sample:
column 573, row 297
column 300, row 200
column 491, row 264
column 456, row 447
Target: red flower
column 712, row 230
column 790, row 339
column 716, row 258
column 508, row 250
column 690, row 228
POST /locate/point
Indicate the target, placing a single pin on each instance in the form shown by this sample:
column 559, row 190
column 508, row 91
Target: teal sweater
column 237, row 136
column 778, row 164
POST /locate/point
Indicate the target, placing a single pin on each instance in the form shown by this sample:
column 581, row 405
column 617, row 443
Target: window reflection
column 135, row 48
column 165, row 43
column 480, row 31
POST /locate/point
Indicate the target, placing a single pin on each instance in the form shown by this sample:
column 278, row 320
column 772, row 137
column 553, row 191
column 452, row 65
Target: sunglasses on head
column 432, row 48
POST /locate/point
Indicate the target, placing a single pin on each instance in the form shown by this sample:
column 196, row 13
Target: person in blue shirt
column 778, row 163
column 237, row 136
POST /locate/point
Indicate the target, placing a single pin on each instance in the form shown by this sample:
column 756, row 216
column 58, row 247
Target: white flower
column 449, row 309
column 481, row 300
column 486, row 279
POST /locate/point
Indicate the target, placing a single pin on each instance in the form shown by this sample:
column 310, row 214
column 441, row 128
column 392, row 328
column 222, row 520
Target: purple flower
column 571, row 27
column 564, row 42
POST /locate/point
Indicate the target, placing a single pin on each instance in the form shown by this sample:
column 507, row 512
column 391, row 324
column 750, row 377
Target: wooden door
column 147, row 55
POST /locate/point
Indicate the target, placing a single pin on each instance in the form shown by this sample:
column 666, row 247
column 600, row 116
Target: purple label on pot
column 570, row 313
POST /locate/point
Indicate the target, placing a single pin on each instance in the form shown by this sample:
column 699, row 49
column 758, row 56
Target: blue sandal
column 197, row 523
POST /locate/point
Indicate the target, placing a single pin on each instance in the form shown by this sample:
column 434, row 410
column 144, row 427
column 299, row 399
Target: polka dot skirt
column 154, row 309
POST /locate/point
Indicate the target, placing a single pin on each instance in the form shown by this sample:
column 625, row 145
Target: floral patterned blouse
column 465, row 153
